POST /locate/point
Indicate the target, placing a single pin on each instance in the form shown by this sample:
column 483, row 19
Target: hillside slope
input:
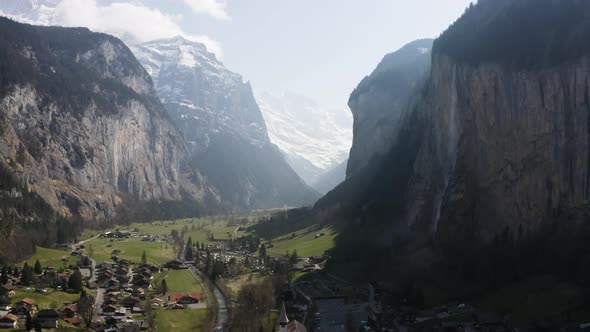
column 82, row 128
column 496, row 146
column 219, row 117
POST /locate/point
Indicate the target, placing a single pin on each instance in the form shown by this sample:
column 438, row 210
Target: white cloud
column 214, row 8
column 131, row 21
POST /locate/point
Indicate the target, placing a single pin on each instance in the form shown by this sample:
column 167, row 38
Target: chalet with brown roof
column 9, row 321
column 48, row 318
column 76, row 320
column 109, row 310
column 156, row 303
column 22, row 311
column 69, row 311
column 26, row 302
column 8, row 289
column 184, row 298
column 130, row 302
column 295, row 326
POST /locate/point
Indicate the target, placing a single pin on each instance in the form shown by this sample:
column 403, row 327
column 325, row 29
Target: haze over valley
column 212, row 165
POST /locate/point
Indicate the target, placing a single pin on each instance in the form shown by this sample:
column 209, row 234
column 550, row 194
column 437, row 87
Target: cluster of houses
column 17, row 315
column 124, row 287
column 14, row 315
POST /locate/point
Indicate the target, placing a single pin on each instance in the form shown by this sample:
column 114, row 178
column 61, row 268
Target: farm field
column 197, row 229
column 52, row 257
column 305, row 242
column 130, row 249
column 180, row 320
column 180, row 281
column 51, row 300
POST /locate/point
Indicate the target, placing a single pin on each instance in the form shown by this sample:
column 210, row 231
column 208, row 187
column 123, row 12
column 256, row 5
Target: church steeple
column 283, row 320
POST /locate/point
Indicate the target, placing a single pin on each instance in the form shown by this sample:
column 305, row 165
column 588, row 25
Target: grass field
column 198, row 229
column 180, row 320
column 180, row 281
column 131, row 249
column 305, row 242
column 52, row 257
column 51, row 300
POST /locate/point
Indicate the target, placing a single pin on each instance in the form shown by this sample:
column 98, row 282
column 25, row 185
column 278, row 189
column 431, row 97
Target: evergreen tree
column 188, row 255
column 163, row 287
column 38, row 269
column 15, row 273
column 26, row 275
column 4, row 276
column 144, row 257
column 262, row 252
column 75, row 282
column 294, row 258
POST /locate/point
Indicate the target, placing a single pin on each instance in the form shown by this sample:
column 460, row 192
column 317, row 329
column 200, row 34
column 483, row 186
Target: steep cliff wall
column 382, row 99
column 82, row 126
column 507, row 148
column 508, row 109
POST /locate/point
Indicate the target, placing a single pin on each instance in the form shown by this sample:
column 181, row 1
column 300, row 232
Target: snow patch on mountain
column 302, row 129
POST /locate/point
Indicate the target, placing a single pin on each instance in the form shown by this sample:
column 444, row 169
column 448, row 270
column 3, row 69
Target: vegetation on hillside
column 524, row 34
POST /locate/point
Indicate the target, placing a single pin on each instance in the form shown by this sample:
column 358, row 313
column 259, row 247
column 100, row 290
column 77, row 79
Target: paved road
column 99, row 299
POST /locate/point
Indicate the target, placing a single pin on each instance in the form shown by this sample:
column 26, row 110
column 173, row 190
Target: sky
column 317, row 48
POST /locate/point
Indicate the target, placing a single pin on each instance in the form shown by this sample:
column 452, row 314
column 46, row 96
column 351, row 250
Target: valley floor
column 154, row 242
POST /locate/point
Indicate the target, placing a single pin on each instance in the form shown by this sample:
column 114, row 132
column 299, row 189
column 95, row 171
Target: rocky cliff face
column 381, row 100
column 505, row 148
column 508, row 108
column 81, row 125
column 499, row 138
column 218, row 116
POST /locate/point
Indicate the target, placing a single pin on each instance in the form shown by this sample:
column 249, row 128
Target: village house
column 156, row 303
column 130, row 302
column 9, row 321
column 76, row 320
column 109, row 310
column 8, row 289
column 21, row 311
column 48, row 318
column 26, row 302
column 185, row 299
column 289, row 326
column 69, row 311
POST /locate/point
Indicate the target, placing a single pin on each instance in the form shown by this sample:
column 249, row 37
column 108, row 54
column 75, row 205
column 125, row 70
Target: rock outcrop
column 82, row 126
column 499, row 138
column 381, row 100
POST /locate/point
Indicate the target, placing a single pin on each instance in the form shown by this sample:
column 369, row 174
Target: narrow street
column 99, row 298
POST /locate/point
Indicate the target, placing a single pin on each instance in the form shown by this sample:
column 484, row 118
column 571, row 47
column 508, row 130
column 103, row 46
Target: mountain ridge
column 219, row 117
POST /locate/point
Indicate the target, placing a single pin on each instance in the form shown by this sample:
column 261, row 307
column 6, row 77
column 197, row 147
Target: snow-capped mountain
column 221, row 120
column 313, row 138
column 198, row 89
